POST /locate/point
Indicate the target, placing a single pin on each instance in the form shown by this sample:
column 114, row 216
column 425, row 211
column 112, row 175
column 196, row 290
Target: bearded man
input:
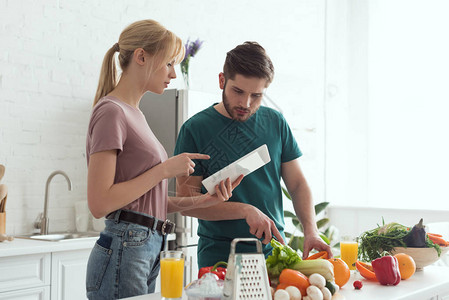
column 228, row 130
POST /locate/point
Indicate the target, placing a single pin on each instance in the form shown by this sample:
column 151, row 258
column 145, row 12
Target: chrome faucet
column 43, row 220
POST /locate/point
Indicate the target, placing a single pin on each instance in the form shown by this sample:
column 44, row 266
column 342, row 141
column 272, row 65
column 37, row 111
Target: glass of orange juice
column 172, row 274
column 349, row 250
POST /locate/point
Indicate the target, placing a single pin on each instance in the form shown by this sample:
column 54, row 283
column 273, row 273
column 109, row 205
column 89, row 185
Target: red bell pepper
column 220, row 272
column 387, row 270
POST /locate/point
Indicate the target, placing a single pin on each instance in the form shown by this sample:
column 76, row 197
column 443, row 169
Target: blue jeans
column 124, row 261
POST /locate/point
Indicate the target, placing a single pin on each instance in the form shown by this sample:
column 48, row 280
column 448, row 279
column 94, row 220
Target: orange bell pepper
column 366, row 270
column 321, row 254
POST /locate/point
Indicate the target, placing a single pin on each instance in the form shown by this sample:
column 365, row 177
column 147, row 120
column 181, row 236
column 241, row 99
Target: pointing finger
column 197, row 156
column 278, row 235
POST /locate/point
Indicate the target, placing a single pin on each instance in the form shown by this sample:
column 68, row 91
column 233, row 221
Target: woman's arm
column 103, row 195
column 195, row 200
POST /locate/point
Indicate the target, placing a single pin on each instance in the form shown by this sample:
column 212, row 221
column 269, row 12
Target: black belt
column 164, row 227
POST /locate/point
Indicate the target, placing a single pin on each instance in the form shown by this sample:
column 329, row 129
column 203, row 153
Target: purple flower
column 192, row 47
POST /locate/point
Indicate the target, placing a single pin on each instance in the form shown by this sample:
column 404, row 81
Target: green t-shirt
column 226, row 140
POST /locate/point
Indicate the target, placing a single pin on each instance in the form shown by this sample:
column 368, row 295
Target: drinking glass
column 349, row 250
column 172, row 274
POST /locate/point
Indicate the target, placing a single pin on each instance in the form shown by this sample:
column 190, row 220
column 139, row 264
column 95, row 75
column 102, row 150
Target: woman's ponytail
column 108, row 75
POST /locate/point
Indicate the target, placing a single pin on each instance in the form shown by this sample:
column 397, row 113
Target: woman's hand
column 223, row 191
column 181, row 164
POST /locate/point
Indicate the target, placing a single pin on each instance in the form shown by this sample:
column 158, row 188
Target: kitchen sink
column 61, row 237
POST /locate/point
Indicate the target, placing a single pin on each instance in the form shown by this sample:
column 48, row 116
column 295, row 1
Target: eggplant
column 417, row 236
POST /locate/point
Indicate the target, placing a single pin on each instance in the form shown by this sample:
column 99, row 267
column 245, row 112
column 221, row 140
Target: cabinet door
column 40, row 293
column 68, row 269
column 24, row 271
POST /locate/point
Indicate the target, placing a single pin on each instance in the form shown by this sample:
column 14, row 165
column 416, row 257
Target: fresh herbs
column 373, row 242
column 384, row 238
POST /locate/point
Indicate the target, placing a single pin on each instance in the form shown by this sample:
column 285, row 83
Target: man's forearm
column 222, row 211
column 304, row 208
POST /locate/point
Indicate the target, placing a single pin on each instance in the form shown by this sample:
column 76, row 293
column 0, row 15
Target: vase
column 186, row 80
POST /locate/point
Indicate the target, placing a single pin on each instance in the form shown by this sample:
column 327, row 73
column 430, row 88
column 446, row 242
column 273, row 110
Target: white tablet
column 244, row 165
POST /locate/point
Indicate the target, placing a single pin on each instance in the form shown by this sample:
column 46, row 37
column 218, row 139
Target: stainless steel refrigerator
column 165, row 115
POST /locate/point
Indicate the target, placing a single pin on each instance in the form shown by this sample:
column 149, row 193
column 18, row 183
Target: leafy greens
column 384, row 238
column 282, row 257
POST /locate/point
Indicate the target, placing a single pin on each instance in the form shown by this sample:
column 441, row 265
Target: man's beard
column 234, row 116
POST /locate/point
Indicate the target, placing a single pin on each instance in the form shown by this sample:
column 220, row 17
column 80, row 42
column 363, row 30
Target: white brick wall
column 50, row 55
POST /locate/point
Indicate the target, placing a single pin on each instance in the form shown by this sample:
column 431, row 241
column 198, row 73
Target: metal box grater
column 246, row 275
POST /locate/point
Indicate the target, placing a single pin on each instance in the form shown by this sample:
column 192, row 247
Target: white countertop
column 424, row 284
column 20, row 246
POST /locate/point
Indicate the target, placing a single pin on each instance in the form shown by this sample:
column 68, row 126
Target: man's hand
column 261, row 225
column 314, row 241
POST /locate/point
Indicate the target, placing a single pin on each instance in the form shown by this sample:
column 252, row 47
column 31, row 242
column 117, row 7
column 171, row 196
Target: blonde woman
column 128, row 167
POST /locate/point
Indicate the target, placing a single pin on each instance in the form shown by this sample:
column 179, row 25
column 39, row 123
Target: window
column 387, row 109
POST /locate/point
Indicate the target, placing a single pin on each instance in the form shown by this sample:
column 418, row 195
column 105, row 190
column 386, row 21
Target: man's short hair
column 250, row 60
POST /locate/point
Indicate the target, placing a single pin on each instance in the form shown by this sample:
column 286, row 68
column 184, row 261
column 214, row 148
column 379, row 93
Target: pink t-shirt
column 117, row 125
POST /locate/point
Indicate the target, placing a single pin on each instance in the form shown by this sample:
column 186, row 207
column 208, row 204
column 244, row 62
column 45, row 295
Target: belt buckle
column 164, row 226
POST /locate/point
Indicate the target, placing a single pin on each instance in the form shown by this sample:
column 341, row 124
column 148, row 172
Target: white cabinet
column 68, row 274
column 39, row 293
column 25, row 276
column 59, row 275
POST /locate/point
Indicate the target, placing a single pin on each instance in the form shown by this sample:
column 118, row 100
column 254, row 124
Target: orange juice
column 348, row 252
column 172, row 276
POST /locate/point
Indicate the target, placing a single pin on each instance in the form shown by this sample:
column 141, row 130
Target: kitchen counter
column 423, row 285
column 20, row 246
column 431, row 282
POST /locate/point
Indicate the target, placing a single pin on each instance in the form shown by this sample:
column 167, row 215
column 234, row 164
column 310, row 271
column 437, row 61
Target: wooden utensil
column 3, row 204
column 3, row 196
column 2, row 172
